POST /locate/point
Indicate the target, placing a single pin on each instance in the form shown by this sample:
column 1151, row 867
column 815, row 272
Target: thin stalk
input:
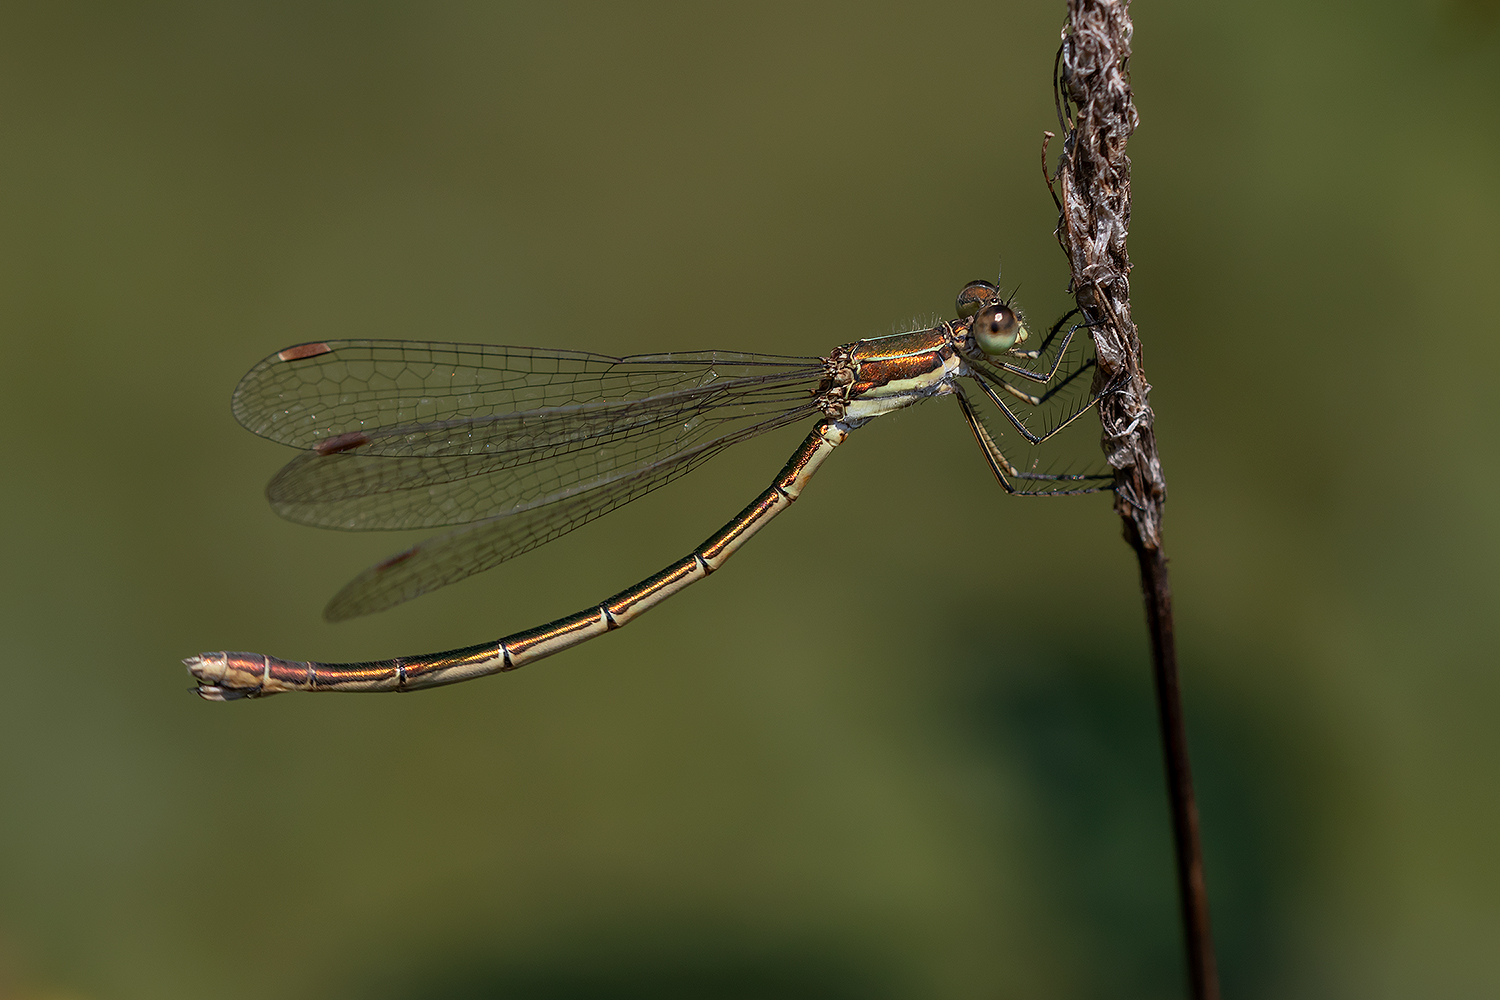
column 1096, row 112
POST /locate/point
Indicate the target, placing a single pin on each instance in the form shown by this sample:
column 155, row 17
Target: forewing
column 449, row 396
column 437, row 477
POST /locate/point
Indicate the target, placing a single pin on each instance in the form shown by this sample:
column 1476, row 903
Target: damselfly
column 517, row 446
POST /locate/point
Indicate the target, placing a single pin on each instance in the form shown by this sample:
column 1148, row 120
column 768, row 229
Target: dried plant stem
column 1097, row 113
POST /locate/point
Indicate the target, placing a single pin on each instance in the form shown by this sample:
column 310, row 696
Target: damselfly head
column 973, row 297
column 997, row 328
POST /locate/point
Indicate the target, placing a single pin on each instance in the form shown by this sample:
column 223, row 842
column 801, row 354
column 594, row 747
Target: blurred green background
column 810, row 777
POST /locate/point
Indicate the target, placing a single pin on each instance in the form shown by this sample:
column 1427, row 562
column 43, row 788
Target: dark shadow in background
column 660, row 963
column 1081, row 731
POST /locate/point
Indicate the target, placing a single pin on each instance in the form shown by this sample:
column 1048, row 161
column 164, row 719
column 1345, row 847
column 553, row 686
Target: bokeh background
column 829, row 772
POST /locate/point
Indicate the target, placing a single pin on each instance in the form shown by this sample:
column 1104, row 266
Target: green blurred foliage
column 855, row 764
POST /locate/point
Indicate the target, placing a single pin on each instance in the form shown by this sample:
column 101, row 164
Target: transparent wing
column 450, row 395
column 405, row 434
column 484, row 544
column 456, row 472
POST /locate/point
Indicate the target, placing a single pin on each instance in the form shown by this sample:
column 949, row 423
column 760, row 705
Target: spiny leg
column 1004, row 471
column 1021, row 427
column 982, row 372
column 998, row 463
column 984, row 379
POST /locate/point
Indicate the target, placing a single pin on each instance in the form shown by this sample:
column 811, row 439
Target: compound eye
column 974, row 296
column 997, row 329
